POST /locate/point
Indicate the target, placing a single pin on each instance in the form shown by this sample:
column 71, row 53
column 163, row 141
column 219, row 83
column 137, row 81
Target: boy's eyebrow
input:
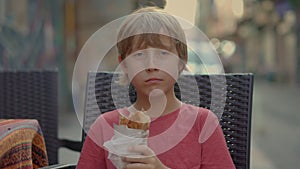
column 143, row 41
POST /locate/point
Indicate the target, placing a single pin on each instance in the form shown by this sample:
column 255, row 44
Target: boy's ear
column 182, row 66
column 120, row 59
column 122, row 64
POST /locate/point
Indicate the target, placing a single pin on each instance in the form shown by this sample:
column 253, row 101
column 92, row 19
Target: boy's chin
column 156, row 93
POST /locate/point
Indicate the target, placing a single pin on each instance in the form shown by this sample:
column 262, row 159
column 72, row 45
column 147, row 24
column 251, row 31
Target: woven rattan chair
column 33, row 95
column 235, row 118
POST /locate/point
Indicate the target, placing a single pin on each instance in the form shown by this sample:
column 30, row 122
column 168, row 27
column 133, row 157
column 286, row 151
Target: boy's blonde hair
column 145, row 27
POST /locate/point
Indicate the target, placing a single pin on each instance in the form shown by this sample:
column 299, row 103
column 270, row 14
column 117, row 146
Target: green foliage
column 295, row 3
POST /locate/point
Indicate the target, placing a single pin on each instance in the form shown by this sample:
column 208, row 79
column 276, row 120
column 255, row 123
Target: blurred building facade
column 30, row 34
column 265, row 33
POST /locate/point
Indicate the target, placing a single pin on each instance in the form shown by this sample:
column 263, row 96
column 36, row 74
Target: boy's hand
column 150, row 161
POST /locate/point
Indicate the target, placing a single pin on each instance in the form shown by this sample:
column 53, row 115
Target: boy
column 153, row 53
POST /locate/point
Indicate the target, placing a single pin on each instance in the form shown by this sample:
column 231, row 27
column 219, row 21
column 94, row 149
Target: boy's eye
column 138, row 54
column 165, row 53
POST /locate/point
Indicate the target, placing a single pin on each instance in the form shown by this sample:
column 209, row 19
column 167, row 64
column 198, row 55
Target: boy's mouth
column 152, row 80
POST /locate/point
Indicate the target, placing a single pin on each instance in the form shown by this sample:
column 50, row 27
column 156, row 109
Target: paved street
column 275, row 128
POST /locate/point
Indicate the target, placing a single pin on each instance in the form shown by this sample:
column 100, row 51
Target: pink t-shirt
column 188, row 138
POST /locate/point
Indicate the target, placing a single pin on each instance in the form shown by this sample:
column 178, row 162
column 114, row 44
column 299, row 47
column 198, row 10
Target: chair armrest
column 72, row 145
column 61, row 166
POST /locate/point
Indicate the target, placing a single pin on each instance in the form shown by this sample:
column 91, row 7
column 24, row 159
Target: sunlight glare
column 237, row 8
column 184, row 9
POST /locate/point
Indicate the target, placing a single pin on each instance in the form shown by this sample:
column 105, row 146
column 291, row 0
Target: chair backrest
column 32, row 95
column 232, row 102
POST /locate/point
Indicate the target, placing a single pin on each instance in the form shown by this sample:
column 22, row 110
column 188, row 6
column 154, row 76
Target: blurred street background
column 257, row 36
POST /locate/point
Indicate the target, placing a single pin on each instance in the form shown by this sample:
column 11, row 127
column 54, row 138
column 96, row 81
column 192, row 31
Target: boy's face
column 153, row 68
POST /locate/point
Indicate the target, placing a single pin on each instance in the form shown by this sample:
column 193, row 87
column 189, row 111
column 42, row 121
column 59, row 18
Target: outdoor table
column 22, row 144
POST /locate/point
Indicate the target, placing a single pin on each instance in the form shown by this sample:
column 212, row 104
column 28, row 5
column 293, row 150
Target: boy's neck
column 159, row 105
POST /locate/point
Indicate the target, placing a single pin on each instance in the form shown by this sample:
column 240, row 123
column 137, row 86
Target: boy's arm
column 215, row 154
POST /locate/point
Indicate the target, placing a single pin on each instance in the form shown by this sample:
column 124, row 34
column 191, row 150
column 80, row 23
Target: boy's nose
column 151, row 63
column 151, row 69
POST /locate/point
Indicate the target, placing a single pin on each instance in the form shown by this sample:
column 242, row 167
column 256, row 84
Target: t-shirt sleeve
column 215, row 154
column 92, row 156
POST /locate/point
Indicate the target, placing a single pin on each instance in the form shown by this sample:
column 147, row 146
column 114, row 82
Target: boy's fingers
column 135, row 160
column 142, row 149
column 138, row 166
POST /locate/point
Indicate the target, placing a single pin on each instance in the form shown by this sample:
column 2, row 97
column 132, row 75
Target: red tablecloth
column 22, row 144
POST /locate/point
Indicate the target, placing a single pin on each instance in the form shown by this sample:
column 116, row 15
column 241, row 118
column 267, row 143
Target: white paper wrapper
column 123, row 138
